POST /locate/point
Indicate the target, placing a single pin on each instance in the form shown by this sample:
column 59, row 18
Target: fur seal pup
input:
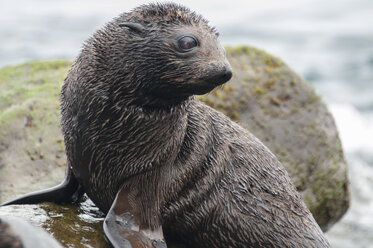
column 163, row 166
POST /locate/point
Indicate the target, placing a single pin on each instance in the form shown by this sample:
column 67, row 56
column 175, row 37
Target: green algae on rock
column 32, row 153
column 266, row 97
column 31, row 143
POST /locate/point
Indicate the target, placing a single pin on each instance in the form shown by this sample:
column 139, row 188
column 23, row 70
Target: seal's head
column 159, row 54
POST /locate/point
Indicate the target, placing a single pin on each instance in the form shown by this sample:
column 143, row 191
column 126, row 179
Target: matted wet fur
column 134, row 133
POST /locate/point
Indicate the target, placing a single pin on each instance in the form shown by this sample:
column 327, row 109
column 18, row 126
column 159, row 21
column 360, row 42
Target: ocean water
column 328, row 42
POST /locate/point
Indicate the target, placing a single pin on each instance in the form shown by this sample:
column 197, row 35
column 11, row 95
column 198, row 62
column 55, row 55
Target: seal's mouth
column 212, row 78
column 204, row 87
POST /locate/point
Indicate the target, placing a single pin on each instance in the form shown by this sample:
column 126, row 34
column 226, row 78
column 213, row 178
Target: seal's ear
column 136, row 27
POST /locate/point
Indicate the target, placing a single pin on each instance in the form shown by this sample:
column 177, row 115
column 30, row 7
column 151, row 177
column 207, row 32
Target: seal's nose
column 227, row 73
column 224, row 74
column 217, row 73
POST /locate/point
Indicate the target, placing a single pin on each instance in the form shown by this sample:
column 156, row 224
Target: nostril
column 228, row 73
column 218, row 74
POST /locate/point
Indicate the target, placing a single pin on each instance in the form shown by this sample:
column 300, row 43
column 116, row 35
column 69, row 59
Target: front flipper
column 123, row 227
column 68, row 191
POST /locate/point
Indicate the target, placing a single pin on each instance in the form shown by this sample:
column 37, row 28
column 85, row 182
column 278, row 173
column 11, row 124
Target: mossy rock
column 264, row 96
column 32, row 153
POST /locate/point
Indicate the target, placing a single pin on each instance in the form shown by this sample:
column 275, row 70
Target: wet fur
column 129, row 118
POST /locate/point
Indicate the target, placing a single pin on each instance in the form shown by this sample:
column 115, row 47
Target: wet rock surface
column 73, row 225
column 15, row 232
column 264, row 96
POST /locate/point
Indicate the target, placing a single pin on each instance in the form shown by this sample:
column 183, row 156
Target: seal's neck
column 158, row 106
column 156, row 103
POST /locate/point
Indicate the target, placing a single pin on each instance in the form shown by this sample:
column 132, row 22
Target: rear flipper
column 68, row 191
column 123, row 227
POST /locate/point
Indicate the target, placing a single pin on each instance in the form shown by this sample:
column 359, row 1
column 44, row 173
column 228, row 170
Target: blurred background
column 328, row 42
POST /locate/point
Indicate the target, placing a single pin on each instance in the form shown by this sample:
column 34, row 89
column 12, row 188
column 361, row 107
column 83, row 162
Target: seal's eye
column 187, row 43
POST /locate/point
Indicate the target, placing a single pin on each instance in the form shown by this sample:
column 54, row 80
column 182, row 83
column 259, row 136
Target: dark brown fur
column 127, row 118
column 130, row 122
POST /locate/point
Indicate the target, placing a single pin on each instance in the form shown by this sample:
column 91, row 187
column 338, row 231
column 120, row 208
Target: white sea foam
column 356, row 133
column 355, row 128
column 355, row 229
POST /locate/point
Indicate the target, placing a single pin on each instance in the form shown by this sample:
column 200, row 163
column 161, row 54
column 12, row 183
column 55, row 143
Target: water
column 329, row 42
